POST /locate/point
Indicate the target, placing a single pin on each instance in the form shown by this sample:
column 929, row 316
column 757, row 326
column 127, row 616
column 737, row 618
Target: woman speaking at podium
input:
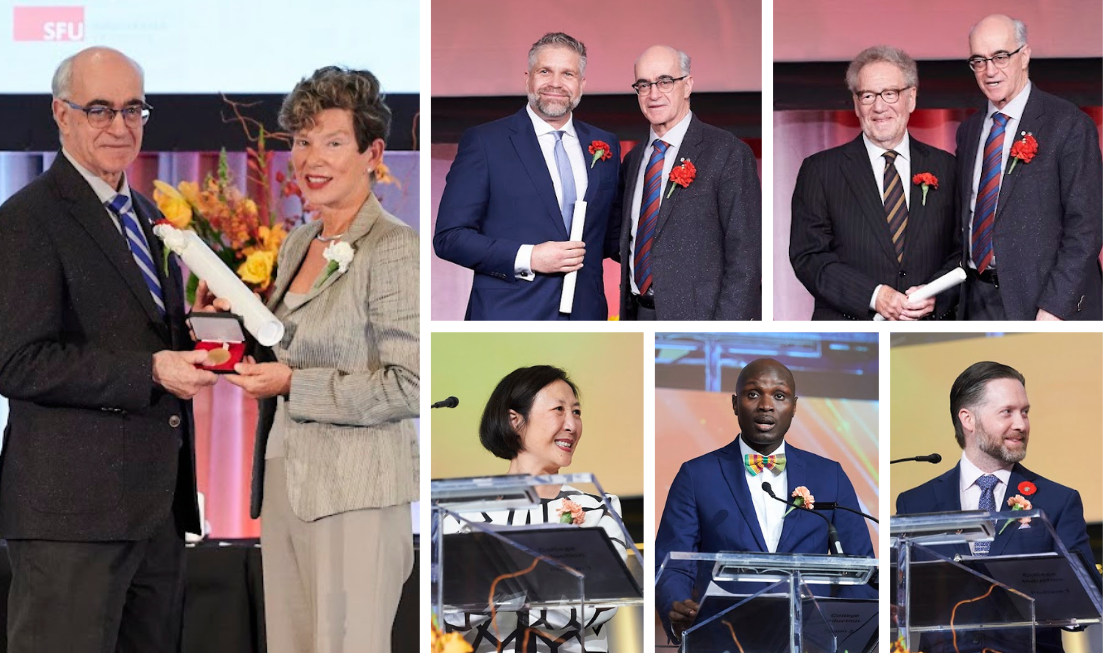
column 533, row 419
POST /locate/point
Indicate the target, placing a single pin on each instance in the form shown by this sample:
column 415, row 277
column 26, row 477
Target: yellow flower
column 175, row 207
column 250, row 208
column 190, row 191
column 383, row 176
column 257, row 269
column 272, row 238
column 453, row 643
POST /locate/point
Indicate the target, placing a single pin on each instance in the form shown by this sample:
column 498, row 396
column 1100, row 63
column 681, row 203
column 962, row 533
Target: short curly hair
column 335, row 87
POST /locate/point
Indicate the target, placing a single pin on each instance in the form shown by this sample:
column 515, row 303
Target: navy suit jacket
column 1061, row 504
column 709, row 509
column 1048, row 232
column 499, row 196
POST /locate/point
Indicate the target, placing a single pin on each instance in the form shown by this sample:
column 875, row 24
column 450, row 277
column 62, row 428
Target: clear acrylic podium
column 945, row 596
column 780, row 611
column 482, row 569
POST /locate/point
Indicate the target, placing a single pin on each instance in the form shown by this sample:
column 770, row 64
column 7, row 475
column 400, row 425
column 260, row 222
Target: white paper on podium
column 945, row 282
column 578, row 223
column 222, row 281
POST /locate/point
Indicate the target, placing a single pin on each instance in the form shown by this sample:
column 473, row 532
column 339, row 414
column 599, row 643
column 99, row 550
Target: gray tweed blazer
column 350, row 442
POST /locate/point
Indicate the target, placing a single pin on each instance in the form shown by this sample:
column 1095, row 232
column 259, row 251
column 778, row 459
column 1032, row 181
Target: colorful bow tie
column 755, row 463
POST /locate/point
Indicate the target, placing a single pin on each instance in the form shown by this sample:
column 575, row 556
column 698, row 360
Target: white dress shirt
column 903, row 167
column 970, row 491
column 1014, row 112
column 545, row 135
column 673, row 138
column 103, row 190
column 770, row 513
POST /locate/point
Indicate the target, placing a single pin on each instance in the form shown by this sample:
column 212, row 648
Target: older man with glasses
column 690, row 240
column 873, row 220
column 1028, row 183
column 98, row 482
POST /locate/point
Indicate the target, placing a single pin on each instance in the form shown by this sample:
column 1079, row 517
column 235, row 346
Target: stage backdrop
column 1063, row 381
column 1066, row 40
column 836, row 376
column 607, row 368
column 225, row 419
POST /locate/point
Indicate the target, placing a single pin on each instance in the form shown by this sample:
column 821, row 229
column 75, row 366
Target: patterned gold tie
column 895, row 207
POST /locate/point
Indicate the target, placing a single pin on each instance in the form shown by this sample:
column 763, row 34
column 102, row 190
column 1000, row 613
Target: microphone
column 450, row 402
column 932, row 458
column 832, row 533
column 831, row 505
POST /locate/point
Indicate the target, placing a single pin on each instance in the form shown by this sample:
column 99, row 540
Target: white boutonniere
column 339, row 255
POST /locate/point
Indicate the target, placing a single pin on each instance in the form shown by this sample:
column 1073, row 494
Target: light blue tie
column 987, row 484
column 136, row 241
column 566, row 179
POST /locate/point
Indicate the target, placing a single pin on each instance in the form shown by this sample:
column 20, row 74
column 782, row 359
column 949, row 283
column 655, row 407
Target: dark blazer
column 706, row 258
column 92, row 451
column 1061, row 504
column 709, row 509
column 840, row 245
column 1048, row 232
column 498, row 196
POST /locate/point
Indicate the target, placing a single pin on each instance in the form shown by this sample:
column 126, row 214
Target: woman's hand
column 206, row 302
column 261, row 380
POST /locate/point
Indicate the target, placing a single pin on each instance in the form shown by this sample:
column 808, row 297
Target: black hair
column 516, row 392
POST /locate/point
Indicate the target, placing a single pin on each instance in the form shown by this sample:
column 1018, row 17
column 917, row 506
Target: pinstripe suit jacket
column 840, row 245
column 353, row 350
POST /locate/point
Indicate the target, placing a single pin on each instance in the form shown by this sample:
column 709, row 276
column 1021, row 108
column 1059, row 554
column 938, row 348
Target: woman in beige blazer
column 336, row 461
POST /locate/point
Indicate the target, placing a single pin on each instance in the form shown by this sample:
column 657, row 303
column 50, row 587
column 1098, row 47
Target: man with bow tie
column 717, row 501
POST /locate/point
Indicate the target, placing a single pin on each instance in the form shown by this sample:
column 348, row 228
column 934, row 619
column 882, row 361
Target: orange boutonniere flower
column 1023, row 150
column 1018, row 502
column 928, row 181
column 571, row 513
column 682, row 175
column 802, row 498
column 601, row 151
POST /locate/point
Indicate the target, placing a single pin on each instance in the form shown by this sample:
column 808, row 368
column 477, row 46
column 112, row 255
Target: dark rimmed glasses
column 99, row 116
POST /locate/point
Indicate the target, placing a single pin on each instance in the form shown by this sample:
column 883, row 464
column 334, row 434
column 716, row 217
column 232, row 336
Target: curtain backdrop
column 224, row 418
column 798, row 135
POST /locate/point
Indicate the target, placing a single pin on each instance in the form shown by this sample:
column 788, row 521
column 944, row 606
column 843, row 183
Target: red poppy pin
column 1023, row 150
column 1026, row 488
column 928, row 181
column 682, row 175
column 601, row 152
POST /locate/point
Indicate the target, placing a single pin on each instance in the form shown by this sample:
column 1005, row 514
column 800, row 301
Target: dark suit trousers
column 97, row 597
column 983, row 302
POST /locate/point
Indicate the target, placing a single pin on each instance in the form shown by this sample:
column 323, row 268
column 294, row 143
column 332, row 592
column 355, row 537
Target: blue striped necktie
column 988, row 191
column 139, row 247
column 649, row 215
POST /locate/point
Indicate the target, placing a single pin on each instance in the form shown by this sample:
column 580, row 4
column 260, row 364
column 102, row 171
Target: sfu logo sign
column 48, row 24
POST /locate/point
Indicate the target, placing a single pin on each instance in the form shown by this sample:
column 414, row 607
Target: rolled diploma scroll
column 578, row 222
column 945, row 282
column 222, row 281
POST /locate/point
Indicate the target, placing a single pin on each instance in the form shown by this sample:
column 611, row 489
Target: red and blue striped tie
column 649, row 216
column 988, row 191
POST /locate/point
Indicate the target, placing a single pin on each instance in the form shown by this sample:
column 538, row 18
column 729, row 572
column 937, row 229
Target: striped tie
column 895, row 207
column 987, row 484
column 136, row 241
column 988, row 191
column 649, row 216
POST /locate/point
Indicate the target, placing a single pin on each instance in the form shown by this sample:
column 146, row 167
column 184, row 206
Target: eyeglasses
column 100, row 116
column 665, row 84
column 979, row 64
column 889, row 95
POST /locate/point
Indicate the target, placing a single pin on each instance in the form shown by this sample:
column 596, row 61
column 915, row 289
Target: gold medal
column 216, row 357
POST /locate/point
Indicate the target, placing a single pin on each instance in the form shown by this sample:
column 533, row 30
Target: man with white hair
column 98, row 468
column 509, row 202
column 691, row 231
column 1028, row 183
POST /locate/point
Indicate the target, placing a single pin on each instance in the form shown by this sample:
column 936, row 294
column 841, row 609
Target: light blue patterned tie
column 566, row 179
column 987, row 484
column 139, row 248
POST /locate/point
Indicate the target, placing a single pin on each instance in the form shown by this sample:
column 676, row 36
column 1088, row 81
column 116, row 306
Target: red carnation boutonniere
column 601, row 152
column 682, row 175
column 1023, row 150
column 928, row 181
